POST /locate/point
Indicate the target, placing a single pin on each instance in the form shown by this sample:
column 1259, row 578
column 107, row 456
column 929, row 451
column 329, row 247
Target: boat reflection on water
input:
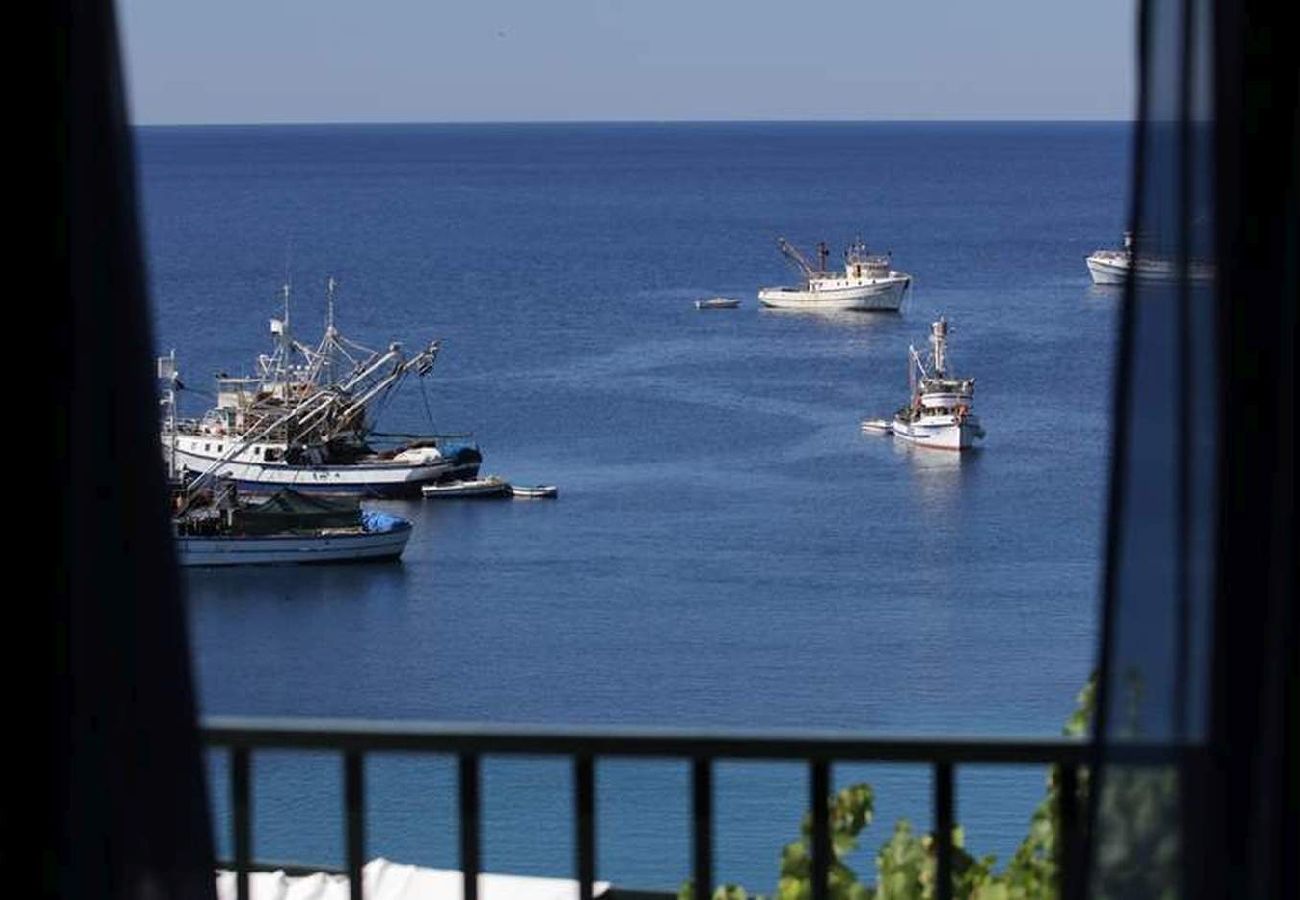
column 937, row 475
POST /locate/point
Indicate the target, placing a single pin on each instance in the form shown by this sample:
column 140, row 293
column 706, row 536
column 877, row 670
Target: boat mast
column 167, row 370
column 939, row 340
column 913, row 363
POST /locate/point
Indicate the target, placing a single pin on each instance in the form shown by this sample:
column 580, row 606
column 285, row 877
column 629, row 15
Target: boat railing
column 356, row 741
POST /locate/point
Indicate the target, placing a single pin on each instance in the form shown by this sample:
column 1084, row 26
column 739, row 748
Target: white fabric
column 384, row 880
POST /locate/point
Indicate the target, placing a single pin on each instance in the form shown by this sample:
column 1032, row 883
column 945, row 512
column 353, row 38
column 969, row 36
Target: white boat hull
column 885, row 294
column 233, row 550
column 945, row 434
column 377, row 479
column 1106, row 272
column 1107, row 268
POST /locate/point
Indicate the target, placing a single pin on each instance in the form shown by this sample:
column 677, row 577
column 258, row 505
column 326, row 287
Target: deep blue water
column 728, row 549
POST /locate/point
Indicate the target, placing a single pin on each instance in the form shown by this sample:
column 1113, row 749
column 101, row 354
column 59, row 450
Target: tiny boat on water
column 536, row 492
column 219, row 528
column 491, row 486
column 717, row 303
column 938, row 411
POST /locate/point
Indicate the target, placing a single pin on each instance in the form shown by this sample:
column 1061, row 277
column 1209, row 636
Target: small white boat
column 868, row 282
column 535, row 492
column 491, row 486
column 882, row 426
column 717, row 303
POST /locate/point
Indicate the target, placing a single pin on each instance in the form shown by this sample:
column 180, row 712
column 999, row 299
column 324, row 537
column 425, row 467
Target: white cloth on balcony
column 385, row 880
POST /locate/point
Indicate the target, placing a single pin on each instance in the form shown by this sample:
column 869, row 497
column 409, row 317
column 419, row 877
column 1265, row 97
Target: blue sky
column 256, row 61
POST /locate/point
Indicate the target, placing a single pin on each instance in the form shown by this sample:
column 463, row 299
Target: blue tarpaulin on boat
column 377, row 522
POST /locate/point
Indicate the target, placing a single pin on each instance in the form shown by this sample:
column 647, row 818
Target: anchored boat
column 219, row 528
column 938, row 413
column 868, row 281
column 492, row 486
column 306, row 420
column 1113, row 266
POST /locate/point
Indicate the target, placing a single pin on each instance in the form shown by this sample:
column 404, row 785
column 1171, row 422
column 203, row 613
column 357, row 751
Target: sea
column 728, row 549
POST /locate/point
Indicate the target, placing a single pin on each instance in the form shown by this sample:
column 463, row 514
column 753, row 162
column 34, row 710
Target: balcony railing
column 353, row 740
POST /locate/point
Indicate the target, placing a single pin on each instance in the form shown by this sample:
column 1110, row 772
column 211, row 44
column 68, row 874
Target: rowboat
column 491, row 486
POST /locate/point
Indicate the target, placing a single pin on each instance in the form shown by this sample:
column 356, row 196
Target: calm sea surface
column 728, row 549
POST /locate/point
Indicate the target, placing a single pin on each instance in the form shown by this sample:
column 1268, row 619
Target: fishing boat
column 491, row 486
column 306, row 420
column 717, row 303
column 534, row 492
column 218, row 527
column 1112, row 266
column 867, row 282
column 938, row 411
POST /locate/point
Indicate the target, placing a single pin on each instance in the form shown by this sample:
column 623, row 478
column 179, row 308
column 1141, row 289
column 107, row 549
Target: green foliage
column 906, row 864
column 850, row 811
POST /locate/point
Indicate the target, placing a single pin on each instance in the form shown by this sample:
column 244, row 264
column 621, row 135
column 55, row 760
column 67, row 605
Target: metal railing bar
column 584, row 813
column 702, row 826
column 943, row 824
column 354, row 808
column 1067, row 812
column 382, row 736
column 819, row 782
column 469, row 808
column 241, row 817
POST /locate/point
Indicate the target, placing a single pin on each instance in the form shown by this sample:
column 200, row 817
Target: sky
column 286, row 61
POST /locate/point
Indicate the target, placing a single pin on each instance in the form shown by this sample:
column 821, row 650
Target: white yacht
column 868, row 281
column 1112, row 266
column 938, row 413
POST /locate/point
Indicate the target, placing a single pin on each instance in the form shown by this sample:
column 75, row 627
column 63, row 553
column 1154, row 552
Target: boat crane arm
column 792, row 253
column 422, row 362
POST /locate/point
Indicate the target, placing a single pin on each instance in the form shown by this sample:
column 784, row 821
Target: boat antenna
column 329, row 304
column 288, row 277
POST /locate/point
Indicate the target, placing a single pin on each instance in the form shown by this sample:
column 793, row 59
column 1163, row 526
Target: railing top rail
column 366, row 735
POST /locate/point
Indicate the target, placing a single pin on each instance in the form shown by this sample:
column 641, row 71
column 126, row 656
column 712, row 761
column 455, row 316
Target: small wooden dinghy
column 535, row 492
column 717, row 303
column 492, row 486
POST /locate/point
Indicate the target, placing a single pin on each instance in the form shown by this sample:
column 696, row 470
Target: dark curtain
column 1194, row 785
column 125, row 813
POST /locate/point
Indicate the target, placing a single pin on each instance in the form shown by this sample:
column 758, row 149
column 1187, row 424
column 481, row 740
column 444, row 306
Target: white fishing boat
column 1113, row 266
column 491, row 486
column 534, row 492
column 717, row 303
column 938, row 413
column 868, row 281
column 305, row 420
column 286, row 528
